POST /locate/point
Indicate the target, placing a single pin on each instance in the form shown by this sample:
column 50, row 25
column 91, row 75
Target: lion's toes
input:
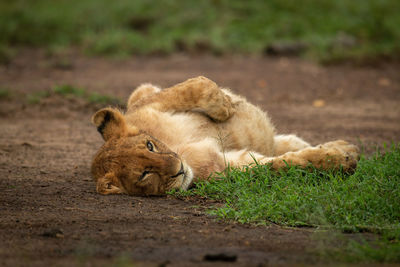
column 346, row 155
column 349, row 161
column 344, row 146
column 220, row 114
column 352, row 156
column 219, row 107
column 226, row 110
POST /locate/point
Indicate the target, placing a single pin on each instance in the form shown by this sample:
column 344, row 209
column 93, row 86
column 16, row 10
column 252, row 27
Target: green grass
column 36, row 97
column 5, row 93
column 366, row 201
column 70, row 91
column 67, row 90
column 335, row 246
column 102, row 99
column 124, row 27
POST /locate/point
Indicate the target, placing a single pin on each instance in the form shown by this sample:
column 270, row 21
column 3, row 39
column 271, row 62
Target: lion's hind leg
column 141, row 92
column 329, row 156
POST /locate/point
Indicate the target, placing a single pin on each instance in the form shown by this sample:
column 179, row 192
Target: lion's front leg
column 329, row 156
column 194, row 94
column 214, row 102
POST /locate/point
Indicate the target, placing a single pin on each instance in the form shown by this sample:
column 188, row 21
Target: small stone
column 384, row 82
column 318, row 103
column 53, row 233
column 261, row 83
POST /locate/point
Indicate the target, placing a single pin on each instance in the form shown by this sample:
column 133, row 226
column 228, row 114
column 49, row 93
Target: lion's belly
column 194, row 127
column 249, row 128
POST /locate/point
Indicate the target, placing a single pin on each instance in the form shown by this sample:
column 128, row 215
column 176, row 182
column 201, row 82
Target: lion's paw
column 220, row 108
column 209, row 98
column 343, row 153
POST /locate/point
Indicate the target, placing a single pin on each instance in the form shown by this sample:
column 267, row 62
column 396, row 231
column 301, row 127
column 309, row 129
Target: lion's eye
column 150, row 146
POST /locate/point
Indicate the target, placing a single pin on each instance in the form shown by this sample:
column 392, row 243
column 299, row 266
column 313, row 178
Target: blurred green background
column 319, row 29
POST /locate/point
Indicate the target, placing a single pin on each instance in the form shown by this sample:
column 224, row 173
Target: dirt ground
column 51, row 215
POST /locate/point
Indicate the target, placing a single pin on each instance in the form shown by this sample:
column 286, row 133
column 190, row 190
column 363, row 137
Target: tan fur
column 169, row 138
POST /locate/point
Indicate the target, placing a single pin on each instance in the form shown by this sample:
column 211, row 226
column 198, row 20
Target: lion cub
column 170, row 138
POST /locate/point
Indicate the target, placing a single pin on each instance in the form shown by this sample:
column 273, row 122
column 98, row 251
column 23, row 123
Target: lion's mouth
column 181, row 171
column 187, row 178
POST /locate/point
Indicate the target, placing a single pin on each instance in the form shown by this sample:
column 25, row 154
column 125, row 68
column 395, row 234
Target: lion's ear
column 110, row 123
column 109, row 184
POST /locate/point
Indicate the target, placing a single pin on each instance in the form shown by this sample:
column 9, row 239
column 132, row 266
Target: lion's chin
column 187, row 178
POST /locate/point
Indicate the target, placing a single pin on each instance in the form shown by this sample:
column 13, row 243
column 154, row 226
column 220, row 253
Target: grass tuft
column 36, row 97
column 67, row 90
column 70, row 91
column 103, row 99
column 5, row 93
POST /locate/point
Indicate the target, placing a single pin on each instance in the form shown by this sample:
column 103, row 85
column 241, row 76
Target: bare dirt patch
column 51, row 214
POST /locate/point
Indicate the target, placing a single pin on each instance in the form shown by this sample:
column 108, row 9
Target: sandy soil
column 50, row 213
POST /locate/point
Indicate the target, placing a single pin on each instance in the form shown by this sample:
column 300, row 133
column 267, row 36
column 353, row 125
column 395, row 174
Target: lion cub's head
column 133, row 162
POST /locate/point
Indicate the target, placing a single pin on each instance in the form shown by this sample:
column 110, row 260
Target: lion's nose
column 181, row 171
